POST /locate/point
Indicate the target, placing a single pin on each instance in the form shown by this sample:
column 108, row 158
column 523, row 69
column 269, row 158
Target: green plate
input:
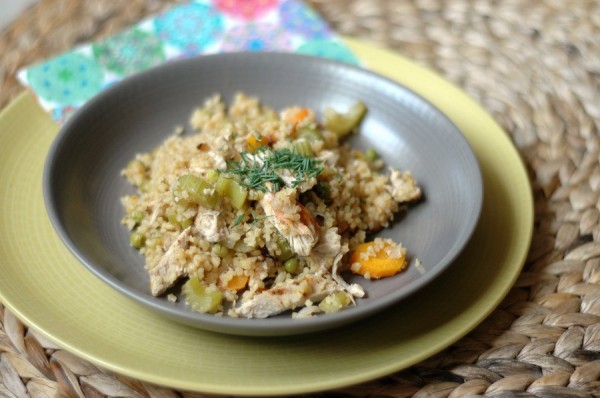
column 55, row 295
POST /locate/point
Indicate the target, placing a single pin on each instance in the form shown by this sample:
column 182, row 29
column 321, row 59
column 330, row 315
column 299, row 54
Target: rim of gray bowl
column 274, row 326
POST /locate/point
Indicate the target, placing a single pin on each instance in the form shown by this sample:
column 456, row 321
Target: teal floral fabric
column 131, row 51
column 190, row 28
column 69, row 79
column 64, row 83
column 328, row 48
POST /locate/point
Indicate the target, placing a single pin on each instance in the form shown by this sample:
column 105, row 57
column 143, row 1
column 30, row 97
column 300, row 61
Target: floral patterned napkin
column 64, row 83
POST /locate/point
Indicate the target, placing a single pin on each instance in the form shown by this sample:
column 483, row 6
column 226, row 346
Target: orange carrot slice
column 238, row 282
column 378, row 259
column 253, row 143
column 298, row 116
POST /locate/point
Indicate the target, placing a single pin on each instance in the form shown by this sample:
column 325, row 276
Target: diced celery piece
column 195, row 189
column 186, row 223
column 310, row 134
column 220, row 250
column 137, row 216
column 201, row 298
column 335, row 302
column 228, row 187
column 173, row 219
column 144, row 186
column 212, row 176
column 302, row 147
column 136, row 166
column 344, row 123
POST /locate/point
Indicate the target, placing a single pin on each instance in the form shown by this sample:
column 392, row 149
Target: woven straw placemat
column 534, row 65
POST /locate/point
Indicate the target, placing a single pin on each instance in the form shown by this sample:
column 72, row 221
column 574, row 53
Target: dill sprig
column 259, row 170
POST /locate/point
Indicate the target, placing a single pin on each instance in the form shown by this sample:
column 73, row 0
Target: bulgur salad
column 258, row 212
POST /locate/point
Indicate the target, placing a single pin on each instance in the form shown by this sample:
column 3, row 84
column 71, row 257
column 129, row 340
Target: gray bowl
column 82, row 183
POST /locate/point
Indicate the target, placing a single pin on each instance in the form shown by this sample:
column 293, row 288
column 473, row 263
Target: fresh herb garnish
column 260, row 170
column 238, row 220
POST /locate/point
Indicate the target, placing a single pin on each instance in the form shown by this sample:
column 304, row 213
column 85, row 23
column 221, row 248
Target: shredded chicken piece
column 208, row 225
column 220, row 162
column 158, row 209
column 404, row 188
column 293, row 221
column 224, row 149
column 330, row 244
column 287, row 295
column 289, row 180
column 330, row 157
column 328, row 255
column 217, row 153
column 354, row 289
column 324, row 253
column 167, row 271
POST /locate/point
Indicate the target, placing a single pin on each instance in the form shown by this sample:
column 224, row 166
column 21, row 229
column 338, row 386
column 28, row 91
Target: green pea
column 284, row 249
column 137, row 240
column 292, row 265
column 371, row 155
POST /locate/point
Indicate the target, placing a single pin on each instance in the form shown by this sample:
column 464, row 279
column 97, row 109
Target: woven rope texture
column 534, row 65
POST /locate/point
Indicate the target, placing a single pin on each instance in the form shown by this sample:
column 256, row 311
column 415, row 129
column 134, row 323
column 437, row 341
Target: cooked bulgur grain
column 258, row 210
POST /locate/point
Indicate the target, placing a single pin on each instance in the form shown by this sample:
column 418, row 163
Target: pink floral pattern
column 245, row 9
column 255, row 37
